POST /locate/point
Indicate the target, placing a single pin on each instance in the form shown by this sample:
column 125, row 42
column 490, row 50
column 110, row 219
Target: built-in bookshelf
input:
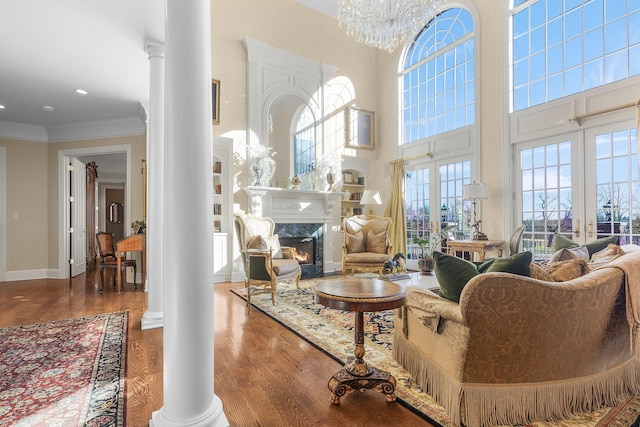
column 222, row 208
column 353, row 183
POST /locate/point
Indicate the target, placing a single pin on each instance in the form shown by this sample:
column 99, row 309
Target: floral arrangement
column 138, row 226
column 430, row 244
column 262, row 164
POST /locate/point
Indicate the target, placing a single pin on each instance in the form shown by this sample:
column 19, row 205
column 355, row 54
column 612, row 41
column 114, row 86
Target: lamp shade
column 371, row 197
column 474, row 191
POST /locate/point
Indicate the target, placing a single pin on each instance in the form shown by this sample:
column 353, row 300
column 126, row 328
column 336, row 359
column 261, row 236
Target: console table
column 480, row 247
column 360, row 295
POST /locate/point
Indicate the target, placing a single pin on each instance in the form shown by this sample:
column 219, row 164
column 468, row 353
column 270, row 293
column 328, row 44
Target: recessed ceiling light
column 81, row 91
column 48, row 108
column 1, row 107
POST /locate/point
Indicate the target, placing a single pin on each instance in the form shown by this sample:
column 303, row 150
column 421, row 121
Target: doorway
column 122, row 152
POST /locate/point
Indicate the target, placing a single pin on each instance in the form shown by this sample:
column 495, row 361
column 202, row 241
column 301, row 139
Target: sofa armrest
column 425, row 303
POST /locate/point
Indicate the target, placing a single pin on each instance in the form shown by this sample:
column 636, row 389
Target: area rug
column 332, row 331
column 64, row 373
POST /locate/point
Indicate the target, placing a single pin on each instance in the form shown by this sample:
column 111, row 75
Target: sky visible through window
column 438, row 77
column 563, row 47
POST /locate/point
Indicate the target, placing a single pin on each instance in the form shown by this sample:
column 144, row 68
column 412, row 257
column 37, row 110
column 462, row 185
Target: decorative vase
column 295, row 182
column 425, row 265
column 331, row 178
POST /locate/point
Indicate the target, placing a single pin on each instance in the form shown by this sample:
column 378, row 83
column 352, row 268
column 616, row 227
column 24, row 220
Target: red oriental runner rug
column 64, row 373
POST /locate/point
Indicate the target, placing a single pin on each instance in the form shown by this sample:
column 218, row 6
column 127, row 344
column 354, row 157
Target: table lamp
column 475, row 192
column 371, row 197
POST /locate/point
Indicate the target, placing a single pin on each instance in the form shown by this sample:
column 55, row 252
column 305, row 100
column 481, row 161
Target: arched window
column 304, row 143
column 438, row 77
column 560, row 48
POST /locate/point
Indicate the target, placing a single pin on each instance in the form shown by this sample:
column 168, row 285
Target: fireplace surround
column 299, row 213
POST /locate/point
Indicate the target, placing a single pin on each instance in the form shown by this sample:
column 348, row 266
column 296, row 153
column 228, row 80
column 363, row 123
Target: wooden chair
column 515, row 240
column 107, row 255
column 266, row 262
column 367, row 244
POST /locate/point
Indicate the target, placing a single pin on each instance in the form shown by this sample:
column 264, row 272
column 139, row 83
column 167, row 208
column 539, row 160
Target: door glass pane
column 417, row 209
column 546, row 195
column 617, row 186
column 453, row 210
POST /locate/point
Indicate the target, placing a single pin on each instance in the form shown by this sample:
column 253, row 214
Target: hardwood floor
column 265, row 374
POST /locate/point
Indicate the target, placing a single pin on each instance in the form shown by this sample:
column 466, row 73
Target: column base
column 214, row 417
column 152, row 320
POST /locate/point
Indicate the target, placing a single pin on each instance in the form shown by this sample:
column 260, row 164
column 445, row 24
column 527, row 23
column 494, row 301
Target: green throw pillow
column 452, row 273
column 519, row 263
column 600, row 244
column 560, row 242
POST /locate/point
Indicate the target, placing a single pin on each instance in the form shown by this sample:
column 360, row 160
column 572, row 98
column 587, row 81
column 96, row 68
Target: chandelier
column 386, row 24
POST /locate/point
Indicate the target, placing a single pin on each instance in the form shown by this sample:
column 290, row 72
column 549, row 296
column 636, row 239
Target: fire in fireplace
column 305, row 248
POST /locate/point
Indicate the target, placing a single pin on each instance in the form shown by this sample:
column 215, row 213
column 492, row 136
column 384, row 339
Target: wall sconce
column 475, row 192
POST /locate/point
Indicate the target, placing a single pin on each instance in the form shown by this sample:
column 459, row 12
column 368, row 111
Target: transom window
column 438, row 77
column 561, row 48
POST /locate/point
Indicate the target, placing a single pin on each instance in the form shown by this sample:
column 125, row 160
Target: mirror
column 116, row 213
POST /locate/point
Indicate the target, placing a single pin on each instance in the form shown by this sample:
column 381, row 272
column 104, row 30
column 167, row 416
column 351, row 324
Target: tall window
column 438, row 77
column 561, row 48
column 417, row 209
column 304, row 143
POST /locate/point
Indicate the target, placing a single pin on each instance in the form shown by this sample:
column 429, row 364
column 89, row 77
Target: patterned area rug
column 332, row 331
column 64, row 373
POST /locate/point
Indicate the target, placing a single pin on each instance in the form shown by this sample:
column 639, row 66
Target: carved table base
column 343, row 381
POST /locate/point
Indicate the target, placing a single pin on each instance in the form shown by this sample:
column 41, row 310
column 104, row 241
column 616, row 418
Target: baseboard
column 45, row 273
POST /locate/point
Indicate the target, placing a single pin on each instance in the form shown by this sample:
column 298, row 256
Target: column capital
column 154, row 49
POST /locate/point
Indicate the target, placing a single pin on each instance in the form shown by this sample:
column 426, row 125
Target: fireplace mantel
column 288, row 206
column 292, row 206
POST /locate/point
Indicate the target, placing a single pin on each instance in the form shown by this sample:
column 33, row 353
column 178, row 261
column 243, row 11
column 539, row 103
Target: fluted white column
column 189, row 399
column 153, row 317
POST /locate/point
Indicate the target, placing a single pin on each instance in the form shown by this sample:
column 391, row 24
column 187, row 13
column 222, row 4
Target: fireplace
column 305, row 248
column 307, row 239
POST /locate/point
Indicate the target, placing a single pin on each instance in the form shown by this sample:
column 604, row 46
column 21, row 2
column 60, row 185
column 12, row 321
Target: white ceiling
column 50, row 48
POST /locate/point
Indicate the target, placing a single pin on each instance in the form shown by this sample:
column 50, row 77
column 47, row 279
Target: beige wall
column 27, row 200
column 32, row 195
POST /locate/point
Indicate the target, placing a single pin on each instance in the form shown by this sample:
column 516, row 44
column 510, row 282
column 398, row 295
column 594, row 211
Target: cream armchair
column 266, row 262
column 366, row 243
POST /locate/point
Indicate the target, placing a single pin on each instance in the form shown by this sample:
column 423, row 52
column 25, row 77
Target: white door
column 77, row 211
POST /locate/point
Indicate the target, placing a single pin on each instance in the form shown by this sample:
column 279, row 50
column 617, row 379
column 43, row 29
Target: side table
column 480, row 247
column 360, row 295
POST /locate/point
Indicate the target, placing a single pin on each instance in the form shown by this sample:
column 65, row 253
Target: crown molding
column 23, row 131
column 95, row 130
column 127, row 126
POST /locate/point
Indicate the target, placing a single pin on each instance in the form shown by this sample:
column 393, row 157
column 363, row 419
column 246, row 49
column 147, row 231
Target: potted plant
column 427, row 246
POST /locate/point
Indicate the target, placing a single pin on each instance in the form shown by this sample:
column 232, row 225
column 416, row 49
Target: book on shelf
column 217, row 167
column 217, row 226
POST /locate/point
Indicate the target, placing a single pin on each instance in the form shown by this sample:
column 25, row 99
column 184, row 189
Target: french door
column 584, row 185
column 433, row 200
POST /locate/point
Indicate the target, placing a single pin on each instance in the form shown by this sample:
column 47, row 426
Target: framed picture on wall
column 360, row 128
column 215, row 101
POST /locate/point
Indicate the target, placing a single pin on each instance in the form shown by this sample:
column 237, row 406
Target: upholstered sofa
column 367, row 243
column 517, row 349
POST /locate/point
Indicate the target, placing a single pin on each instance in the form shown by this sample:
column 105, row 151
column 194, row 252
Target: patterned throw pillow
column 538, row 272
column 563, row 271
column 564, row 254
column 355, row 242
column 264, row 244
column 377, row 243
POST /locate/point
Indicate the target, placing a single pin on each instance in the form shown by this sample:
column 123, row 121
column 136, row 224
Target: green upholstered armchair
column 266, row 262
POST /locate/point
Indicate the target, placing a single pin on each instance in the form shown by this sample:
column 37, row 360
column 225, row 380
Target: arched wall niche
column 278, row 83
